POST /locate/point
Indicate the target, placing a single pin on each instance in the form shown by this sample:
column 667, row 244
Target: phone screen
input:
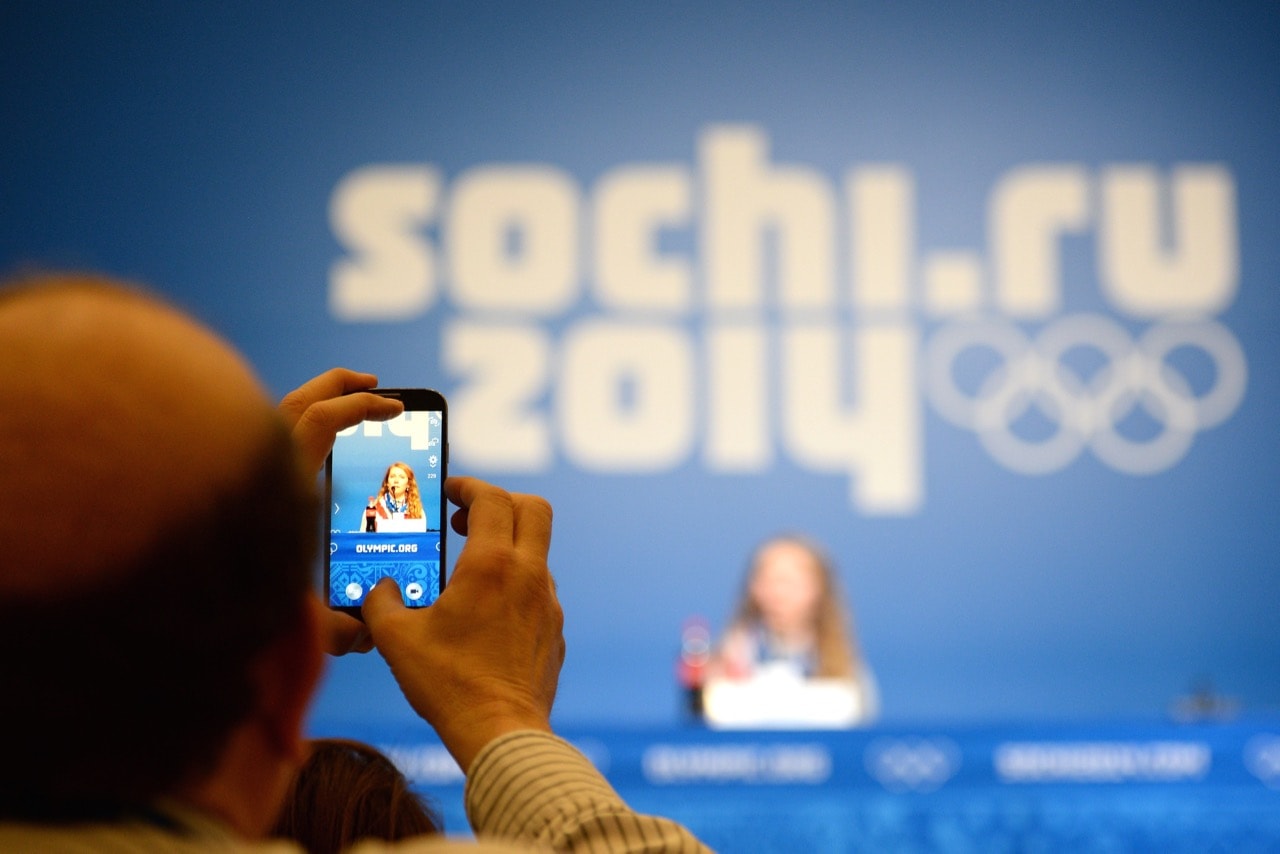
column 386, row 504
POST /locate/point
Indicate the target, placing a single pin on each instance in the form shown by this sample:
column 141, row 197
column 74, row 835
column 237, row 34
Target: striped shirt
column 527, row 791
column 536, row 788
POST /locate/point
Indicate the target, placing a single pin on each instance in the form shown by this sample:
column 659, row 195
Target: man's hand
column 485, row 659
column 315, row 412
column 333, row 401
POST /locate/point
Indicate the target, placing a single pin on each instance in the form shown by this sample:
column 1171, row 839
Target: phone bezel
column 414, row 400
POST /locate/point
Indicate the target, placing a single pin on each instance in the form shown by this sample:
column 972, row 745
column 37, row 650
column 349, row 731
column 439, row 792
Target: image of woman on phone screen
column 397, row 500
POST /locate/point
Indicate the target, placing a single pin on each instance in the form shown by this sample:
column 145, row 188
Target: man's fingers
column 458, row 521
column 382, row 602
column 485, row 658
column 340, row 633
column 316, row 428
column 346, row 634
column 491, row 512
column 332, row 383
column 462, row 490
column 533, row 524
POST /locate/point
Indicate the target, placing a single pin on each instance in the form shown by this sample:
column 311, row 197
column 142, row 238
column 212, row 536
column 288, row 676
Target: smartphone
column 384, row 482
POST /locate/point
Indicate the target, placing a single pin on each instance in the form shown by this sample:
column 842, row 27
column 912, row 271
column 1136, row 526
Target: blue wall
column 414, row 188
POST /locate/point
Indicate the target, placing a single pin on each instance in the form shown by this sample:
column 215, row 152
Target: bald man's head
column 119, row 416
column 158, row 536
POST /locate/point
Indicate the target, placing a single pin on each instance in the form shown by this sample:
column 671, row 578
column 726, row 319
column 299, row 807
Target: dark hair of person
column 347, row 791
column 117, row 692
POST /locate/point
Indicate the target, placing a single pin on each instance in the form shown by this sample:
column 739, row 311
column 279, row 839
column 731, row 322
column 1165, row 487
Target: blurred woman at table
column 789, row 655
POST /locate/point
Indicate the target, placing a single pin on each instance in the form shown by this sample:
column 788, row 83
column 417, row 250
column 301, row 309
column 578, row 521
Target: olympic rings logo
column 912, row 764
column 1084, row 408
column 1262, row 758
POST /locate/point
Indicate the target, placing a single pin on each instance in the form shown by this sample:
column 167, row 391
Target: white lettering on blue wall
column 734, row 309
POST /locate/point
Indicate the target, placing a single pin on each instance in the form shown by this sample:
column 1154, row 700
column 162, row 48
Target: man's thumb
column 383, row 600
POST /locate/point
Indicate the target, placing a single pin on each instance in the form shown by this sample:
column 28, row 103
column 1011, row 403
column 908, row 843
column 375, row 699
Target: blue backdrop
column 981, row 295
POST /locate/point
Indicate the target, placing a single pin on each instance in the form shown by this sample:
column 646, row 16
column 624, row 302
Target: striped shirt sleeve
column 534, row 787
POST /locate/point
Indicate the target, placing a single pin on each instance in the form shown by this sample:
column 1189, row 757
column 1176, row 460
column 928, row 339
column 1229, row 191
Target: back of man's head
column 155, row 535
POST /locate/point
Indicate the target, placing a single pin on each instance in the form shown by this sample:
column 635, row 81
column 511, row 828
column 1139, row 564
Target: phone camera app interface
column 386, row 512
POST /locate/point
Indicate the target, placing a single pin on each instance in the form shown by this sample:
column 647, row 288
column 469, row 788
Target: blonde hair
column 837, row 650
column 413, row 499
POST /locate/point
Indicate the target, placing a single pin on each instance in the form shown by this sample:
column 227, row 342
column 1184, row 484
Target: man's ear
column 286, row 675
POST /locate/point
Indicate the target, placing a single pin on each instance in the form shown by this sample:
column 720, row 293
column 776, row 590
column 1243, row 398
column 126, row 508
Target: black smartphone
column 384, row 482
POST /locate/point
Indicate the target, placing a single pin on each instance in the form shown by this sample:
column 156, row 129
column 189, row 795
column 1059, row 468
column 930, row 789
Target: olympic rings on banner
column 1085, row 409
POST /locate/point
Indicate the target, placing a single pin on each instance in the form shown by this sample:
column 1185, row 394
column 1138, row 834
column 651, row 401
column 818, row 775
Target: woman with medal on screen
column 398, row 504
